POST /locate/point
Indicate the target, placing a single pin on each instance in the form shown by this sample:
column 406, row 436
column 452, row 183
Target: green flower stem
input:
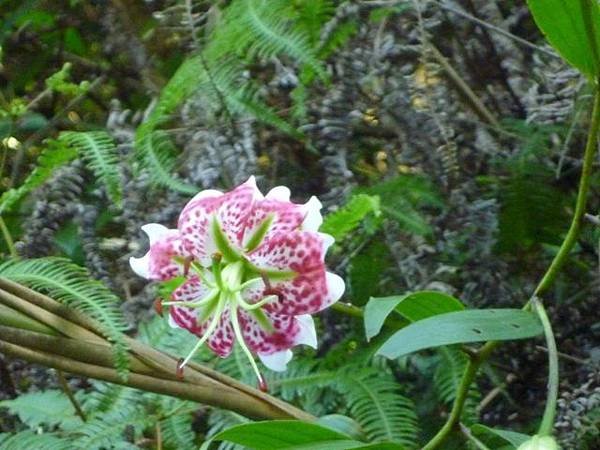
column 552, row 396
column 584, row 186
column 569, row 241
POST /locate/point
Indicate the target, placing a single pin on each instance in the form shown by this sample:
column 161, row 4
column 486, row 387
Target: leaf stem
column 67, row 390
column 484, row 353
column 8, row 238
column 552, row 396
column 584, row 186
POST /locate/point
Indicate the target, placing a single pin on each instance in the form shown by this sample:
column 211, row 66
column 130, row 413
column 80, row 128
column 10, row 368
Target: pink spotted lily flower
column 251, row 269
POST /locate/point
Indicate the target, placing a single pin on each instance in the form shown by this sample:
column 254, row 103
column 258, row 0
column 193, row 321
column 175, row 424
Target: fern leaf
column 220, row 420
column 48, row 407
column 156, row 153
column 28, row 440
column 72, row 285
column 98, row 151
column 106, row 430
column 312, row 15
column 345, row 220
column 266, row 33
column 53, row 156
column 447, row 378
column 177, row 432
column 375, row 402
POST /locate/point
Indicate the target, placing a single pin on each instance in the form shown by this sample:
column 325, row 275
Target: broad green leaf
column 573, row 29
column 513, row 437
column 287, row 435
column 343, row 424
column 50, row 407
column 413, row 307
column 462, row 327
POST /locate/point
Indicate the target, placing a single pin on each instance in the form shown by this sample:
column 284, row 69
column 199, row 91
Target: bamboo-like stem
column 86, row 353
column 569, row 241
column 10, row 317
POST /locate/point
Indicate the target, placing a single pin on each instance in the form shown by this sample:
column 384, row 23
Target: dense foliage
column 446, row 141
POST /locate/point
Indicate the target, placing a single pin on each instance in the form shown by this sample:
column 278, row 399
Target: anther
column 158, row 306
column 186, row 265
column 262, row 384
column 179, row 371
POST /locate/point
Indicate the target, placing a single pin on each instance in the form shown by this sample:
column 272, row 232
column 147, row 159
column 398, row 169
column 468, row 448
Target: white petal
column 205, row 194
column 308, row 333
column 277, row 361
column 313, row 218
column 328, row 241
column 279, row 193
column 156, row 231
column 252, row 183
column 335, row 287
column 141, row 266
column 172, row 322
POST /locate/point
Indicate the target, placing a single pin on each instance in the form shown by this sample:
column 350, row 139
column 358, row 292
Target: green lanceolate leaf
column 413, row 307
column 573, row 28
column 287, row 435
column 512, row 437
column 462, row 327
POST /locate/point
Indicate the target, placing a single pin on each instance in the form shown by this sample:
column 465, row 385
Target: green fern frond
column 177, row 432
column 447, row 378
column 28, row 440
column 105, row 397
column 260, row 29
column 55, row 155
column 375, row 402
column 301, row 376
column 246, row 101
column 72, row 285
column 312, row 15
column 99, row 152
column 345, row 220
column 156, row 153
column 50, row 407
column 340, row 36
column 220, row 420
column 106, row 430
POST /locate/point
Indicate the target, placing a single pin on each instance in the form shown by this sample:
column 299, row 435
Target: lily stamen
column 211, row 327
column 235, row 323
column 251, row 306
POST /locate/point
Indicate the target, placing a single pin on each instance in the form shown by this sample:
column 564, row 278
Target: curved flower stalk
column 247, row 268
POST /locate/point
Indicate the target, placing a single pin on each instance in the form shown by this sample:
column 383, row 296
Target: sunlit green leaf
column 462, row 327
column 413, row 307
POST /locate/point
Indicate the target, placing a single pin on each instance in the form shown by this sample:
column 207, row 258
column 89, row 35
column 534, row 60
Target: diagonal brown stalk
column 38, row 329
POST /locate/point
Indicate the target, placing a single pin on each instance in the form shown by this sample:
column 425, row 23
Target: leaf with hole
column 413, row 307
column 475, row 325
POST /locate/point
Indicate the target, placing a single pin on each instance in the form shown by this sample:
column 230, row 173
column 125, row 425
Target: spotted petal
column 305, row 287
column 230, row 211
column 160, row 262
